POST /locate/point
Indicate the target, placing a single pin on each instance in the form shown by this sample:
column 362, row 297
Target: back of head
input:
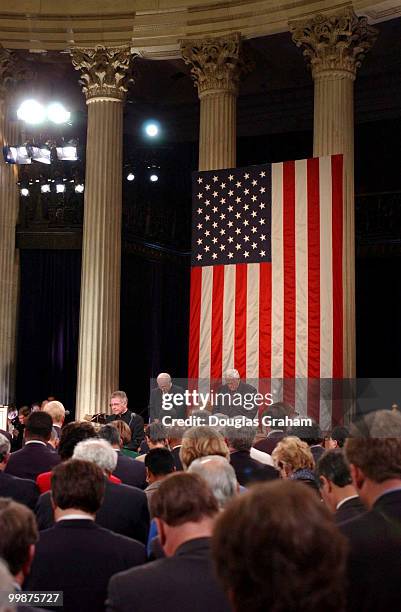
column 183, row 498
column 124, row 431
column 97, row 451
column 340, row 434
column 200, row 442
column 71, row 434
column 6, row 588
column 156, row 432
column 56, row 411
column 240, row 438
column 311, row 434
column 78, row 484
column 293, row 452
column 5, row 447
column 269, row 557
column 160, row 461
column 219, row 474
column 175, row 434
column 334, row 466
column 38, row 426
column 274, row 415
column 18, row 531
column 110, row 433
column 374, row 445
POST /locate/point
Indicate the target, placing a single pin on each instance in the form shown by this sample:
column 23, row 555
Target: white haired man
column 219, row 474
column 235, row 398
column 57, row 413
column 165, row 386
column 119, row 408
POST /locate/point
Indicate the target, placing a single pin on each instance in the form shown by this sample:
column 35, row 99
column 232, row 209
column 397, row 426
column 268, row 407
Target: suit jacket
column 317, row 451
column 233, row 408
column 374, row 561
column 249, row 470
column 20, row 490
column 136, row 424
column 32, row 460
column 182, row 582
column 78, row 557
column 130, row 472
column 124, row 510
column 155, row 404
column 349, row 509
column 176, row 456
column 268, row 444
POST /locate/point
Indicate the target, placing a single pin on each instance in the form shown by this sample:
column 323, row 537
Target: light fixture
column 153, row 178
column 32, row 112
column 57, row 113
column 25, row 192
column 130, row 176
column 79, row 188
column 16, row 155
column 60, row 188
column 152, row 129
column 67, row 152
column 45, row 188
column 41, row 154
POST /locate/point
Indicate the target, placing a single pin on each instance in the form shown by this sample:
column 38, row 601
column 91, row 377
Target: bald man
column 165, row 386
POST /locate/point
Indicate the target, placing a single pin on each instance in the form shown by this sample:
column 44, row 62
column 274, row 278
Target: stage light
column 67, row 153
column 153, row 178
column 130, row 176
column 79, row 188
column 41, row 154
column 25, row 192
column 57, row 113
column 32, row 112
column 45, row 188
column 60, row 188
column 151, row 129
column 16, row 155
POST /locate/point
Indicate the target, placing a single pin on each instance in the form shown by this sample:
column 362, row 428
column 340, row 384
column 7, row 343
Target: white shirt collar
column 344, row 500
column 35, row 442
column 75, row 517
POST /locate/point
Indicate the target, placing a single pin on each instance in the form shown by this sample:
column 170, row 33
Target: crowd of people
column 126, row 517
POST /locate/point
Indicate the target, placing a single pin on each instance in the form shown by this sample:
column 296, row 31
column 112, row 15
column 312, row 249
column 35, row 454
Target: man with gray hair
column 219, row 475
column 119, row 407
column 57, row 413
column 21, row 490
column 247, row 470
column 124, row 509
column 165, row 387
column 235, row 398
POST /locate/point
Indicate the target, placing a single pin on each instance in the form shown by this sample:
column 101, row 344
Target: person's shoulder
column 247, row 388
column 110, row 418
column 124, row 490
column 143, row 574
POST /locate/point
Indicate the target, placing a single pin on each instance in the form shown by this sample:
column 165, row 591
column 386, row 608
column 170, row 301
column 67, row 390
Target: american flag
column 266, row 277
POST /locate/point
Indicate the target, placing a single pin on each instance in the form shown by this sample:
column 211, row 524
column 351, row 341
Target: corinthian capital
column 105, row 71
column 336, row 42
column 216, row 63
column 12, row 70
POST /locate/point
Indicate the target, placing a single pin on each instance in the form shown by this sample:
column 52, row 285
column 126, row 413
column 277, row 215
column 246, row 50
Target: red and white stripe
column 282, row 320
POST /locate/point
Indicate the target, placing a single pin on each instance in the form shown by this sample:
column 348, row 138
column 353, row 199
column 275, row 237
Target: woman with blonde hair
column 294, row 459
column 202, row 441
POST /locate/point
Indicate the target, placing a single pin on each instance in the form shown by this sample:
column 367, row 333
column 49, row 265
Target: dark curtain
column 48, row 326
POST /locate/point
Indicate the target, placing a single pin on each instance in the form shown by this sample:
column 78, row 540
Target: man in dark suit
column 119, row 407
column 247, row 470
column 175, row 434
column 336, row 488
column 21, row 490
column 272, row 424
column 374, row 566
column 185, row 510
column 128, row 470
column 35, row 457
column 165, row 388
column 76, row 556
column 235, row 398
column 124, row 509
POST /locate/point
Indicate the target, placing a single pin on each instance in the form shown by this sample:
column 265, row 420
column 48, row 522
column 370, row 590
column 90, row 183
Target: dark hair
column 270, row 559
column 175, row 433
column 240, row 438
column 78, row 484
column 110, row 433
column 71, row 434
column 159, row 461
column 182, row 498
column 277, row 411
column 25, row 411
column 340, row 434
column 18, row 531
column 334, row 466
column 39, row 426
column 156, row 432
column 311, row 434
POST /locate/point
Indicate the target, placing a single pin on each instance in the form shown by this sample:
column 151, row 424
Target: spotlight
column 153, row 178
column 79, row 188
column 57, row 113
column 41, row 154
column 151, row 129
column 32, row 112
column 67, row 153
column 16, row 155
column 60, row 188
column 45, row 188
column 25, row 192
column 130, row 176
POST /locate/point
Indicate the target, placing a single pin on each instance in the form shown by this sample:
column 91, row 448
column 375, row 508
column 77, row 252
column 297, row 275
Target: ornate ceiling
column 155, row 27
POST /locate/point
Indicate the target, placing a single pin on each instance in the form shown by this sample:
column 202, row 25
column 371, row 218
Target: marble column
column 9, row 255
column 335, row 45
column 216, row 67
column 105, row 73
